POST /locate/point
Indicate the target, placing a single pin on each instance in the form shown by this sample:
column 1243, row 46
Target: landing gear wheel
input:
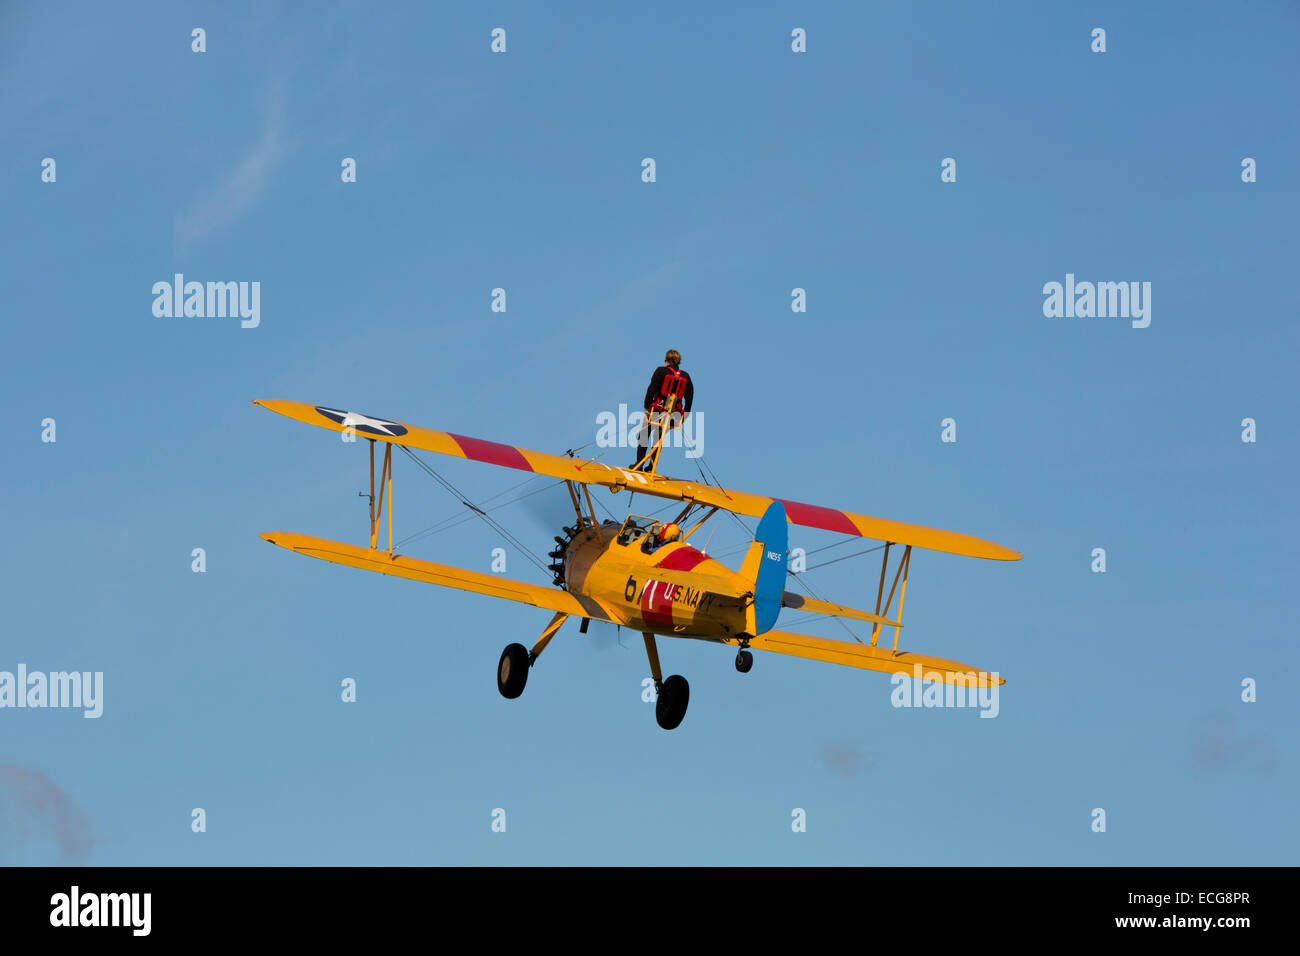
column 670, row 708
column 512, row 671
column 744, row 661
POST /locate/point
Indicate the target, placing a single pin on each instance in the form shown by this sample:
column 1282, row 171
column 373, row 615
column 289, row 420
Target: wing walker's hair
column 673, row 358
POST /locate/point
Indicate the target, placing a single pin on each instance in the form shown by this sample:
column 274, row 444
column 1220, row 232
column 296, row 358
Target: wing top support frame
column 662, row 420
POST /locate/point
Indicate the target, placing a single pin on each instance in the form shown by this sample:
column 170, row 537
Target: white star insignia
column 353, row 419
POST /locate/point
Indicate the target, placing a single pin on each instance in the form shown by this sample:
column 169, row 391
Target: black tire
column 670, row 708
column 744, row 661
column 512, row 671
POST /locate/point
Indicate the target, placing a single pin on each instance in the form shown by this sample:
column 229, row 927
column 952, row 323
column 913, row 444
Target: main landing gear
column 673, row 694
column 670, row 706
column 512, row 669
column 744, row 661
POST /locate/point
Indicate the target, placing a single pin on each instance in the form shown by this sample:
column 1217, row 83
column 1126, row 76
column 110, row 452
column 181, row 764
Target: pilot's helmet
column 670, row 532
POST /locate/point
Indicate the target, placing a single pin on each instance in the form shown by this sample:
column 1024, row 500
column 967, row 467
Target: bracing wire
column 492, row 522
column 459, row 518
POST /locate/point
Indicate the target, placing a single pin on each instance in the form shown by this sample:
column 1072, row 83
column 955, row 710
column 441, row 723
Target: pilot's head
column 669, row 532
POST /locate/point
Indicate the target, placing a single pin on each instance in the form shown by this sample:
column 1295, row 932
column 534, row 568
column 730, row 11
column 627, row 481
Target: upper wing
column 872, row 658
column 596, row 473
column 399, row 565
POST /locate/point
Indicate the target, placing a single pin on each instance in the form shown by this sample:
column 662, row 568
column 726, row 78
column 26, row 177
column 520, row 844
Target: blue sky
column 775, row 170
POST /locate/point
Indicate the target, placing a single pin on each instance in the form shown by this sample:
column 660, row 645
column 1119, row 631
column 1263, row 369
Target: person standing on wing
column 668, row 382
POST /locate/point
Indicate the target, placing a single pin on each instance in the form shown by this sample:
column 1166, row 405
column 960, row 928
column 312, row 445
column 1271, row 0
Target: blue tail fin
column 764, row 565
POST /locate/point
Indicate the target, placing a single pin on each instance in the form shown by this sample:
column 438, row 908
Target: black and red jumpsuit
column 667, row 381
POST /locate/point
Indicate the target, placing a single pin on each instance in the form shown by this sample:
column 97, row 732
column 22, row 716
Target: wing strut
column 385, row 480
column 904, row 565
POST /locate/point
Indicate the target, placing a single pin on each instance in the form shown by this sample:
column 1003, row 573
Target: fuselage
column 628, row 580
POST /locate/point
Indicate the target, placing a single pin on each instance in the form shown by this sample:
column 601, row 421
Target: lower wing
column 871, row 658
column 399, row 565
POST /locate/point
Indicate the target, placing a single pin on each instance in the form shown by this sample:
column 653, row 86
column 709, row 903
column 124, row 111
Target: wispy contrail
column 226, row 203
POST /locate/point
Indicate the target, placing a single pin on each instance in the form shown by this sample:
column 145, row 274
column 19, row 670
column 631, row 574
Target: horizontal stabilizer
column 799, row 602
column 870, row 658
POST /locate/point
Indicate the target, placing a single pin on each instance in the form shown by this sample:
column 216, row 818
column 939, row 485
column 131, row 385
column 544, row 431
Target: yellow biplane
column 644, row 574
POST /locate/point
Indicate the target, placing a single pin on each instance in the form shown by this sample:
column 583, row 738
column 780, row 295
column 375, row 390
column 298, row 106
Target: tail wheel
column 512, row 671
column 670, row 708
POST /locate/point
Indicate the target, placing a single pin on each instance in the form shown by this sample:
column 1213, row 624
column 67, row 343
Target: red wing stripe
column 494, row 453
column 815, row 516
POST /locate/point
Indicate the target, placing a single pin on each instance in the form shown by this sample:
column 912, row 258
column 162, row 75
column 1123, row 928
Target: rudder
column 764, row 566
